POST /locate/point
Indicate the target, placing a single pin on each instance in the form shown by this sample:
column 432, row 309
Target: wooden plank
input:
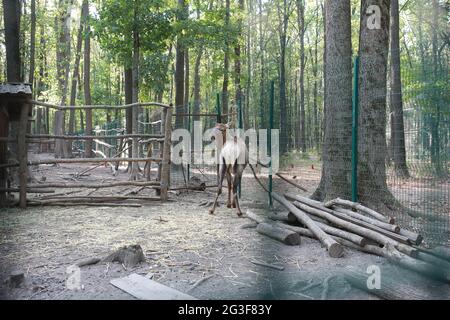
column 143, row 288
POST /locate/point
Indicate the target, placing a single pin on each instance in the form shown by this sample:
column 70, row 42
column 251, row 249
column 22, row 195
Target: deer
column 233, row 159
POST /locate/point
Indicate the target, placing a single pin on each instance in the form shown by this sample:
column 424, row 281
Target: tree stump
column 130, row 255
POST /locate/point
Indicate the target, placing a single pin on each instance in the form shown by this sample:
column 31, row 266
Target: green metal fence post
column 269, row 138
column 189, row 129
column 240, row 126
column 355, row 131
column 219, row 113
column 219, row 120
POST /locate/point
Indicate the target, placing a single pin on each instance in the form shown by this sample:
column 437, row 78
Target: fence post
column 219, row 120
column 269, row 139
column 189, row 129
column 240, row 126
column 165, row 170
column 355, row 131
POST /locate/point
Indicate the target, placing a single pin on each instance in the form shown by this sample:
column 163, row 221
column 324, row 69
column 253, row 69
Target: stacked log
column 340, row 224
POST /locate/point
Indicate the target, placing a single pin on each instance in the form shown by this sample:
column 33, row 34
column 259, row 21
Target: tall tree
column 11, row 18
column 179, row 67
column 32, row 43
column 237, row 57
column 283, row 11
column 226, row 62
column 87, row 78
column 76, row 67
column 373, row 48
column 62, row 71
column 396, row 99
column 135, row 95
column 335, row 181
column 301, row 30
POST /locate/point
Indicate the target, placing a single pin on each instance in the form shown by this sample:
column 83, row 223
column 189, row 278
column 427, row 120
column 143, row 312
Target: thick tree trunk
column 373, row 48
column 62, row 70
column 87, row 81
column 396, row 99
column 335, row 181
column 179, row 69
column 11, row 18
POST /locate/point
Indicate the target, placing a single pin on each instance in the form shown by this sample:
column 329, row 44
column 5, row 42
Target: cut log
column 151, row 184
column 413, row 237
column 283, row 216
column 283, row 235
column 394, row 291
column 335, row 250
column 378, row 223
column 290, row 182
column 359, row 207
column 442, row 252
column 433, row 260
column 88, row 204
column 318, row 205
column 362, row 231
column 343, row 234
column 307, row 233
column 254, row 217
column 88, row 262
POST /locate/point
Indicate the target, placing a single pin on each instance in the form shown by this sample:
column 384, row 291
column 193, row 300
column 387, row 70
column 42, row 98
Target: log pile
column 340, row 224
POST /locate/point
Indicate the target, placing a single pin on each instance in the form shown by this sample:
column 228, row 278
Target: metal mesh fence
column 420, row 189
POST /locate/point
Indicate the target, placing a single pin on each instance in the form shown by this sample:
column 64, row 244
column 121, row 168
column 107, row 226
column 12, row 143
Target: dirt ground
column 182, row 243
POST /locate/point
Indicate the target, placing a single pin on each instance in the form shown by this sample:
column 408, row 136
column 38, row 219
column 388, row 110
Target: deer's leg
column 229, row 202
column 222, row 169
column 236, row 181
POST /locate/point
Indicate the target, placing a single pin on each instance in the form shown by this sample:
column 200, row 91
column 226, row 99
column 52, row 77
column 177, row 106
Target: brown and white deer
column 233, row 159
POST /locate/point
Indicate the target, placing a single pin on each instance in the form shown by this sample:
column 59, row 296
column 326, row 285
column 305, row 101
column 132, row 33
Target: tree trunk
column 186, row 84
column 197, row 81
column 179, row 69
column 436, row 113
column 373, row 48
column 315, row 129
column 283, row 24
column 335, row 181
column 32, row 44
column 76, row 67
column 11, row 18
column 135, row 96
column 301, row 28
column 262, row 82
column 237, row 59
column 62, row 70
column 87, row 80
column 226, row 63
column 397, row 126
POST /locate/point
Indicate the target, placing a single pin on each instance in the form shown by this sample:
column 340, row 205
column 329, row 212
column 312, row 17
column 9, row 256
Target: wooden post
column 4, row 131
column 161, row 146
column 22, row 154
column 165, row 170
